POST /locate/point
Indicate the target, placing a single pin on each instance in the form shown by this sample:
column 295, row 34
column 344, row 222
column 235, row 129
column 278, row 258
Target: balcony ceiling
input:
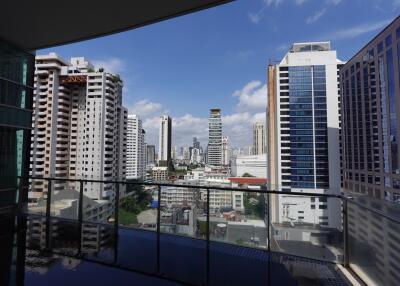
column 32, row 25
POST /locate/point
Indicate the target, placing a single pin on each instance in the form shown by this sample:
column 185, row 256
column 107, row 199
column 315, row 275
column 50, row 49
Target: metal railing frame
column 345, row 200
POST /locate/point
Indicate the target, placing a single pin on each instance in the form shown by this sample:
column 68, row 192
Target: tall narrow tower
column 215, row 138
column 258, row 138
column 164, row 144
column 135, row 161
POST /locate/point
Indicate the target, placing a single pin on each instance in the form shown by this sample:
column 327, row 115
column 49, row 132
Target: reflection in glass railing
column 181, row 210
column 308, row 226
column 374, row 242
column 241, row 220
column 138, row 207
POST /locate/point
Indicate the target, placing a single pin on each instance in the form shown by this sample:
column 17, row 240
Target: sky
column 218, row 58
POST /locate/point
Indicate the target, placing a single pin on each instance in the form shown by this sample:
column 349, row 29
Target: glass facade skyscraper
column 16, row 88
column 305, row 131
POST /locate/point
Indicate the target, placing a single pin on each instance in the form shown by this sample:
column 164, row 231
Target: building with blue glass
column 305, row 117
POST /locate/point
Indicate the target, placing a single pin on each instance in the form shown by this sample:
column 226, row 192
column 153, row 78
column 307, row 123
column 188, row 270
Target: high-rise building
column 135, row 158
column 249, row 150
column 174, row 153
column 16, row 81
column 151, row 155
column 164, row 141
column 371, row 159
column 195, row 156
column 186, row 153
column 214, row 151
column 305, row 133
column 79, row 126
column 258, row 139
column 225, row 150
column 196, row 143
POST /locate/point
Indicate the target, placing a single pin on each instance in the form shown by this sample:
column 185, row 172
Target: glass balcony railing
column 97, row 215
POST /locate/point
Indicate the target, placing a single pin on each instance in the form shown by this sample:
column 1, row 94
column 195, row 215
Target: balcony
column 70, row 235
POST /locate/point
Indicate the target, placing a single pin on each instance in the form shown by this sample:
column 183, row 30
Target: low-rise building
column 160, row 174
column 255, row 165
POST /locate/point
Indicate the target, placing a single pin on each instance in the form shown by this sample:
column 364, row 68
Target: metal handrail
column 230, row 189
column 260, row 191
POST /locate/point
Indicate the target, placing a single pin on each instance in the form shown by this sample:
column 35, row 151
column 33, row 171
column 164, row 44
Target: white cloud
column 273, row 2
column 145, row 108
column 317, row 15
column 255, row 18
column 396, row 3
column 333, row 2
column 112, row 65
column 238, row 127
column 252, row 96
column 353, row 32
column 282, row 47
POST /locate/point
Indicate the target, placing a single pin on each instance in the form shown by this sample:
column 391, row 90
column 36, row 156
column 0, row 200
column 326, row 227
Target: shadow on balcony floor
column 100, row 257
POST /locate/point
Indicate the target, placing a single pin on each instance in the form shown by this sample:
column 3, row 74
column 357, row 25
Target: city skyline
column 317, row 188
column 160, row 81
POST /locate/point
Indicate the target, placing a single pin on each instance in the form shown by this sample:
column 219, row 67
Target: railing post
column 116, row 222
column 345, row 234
column 48, row 213
column 80, row 204
column 268, row 223
column 116, row 208
column 158, row 226
column 208, row 238
column 269, row 239
column 80, row 214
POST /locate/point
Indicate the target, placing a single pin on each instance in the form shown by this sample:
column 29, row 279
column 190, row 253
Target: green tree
column 247, row 175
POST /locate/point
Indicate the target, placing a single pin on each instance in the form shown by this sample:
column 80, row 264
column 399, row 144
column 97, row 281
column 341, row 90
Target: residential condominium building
column 79, row 127
column 214, row 151
column 135, row 155
column 160, row 174
column 371, row 157
column 304, row 134
column 164, row 143
column 258, row 139
column 225, row 150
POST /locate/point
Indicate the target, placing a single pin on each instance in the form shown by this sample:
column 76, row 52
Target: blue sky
column 218, row 58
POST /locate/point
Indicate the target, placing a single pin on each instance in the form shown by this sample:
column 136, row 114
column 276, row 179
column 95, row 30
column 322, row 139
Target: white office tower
column 195, row 157
column 225, row 150
column 186, row 153
column 304, row 133
column 258, row 139
column 136, row 154
column 79, row 127
column 164, row 141
column 214, row 151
